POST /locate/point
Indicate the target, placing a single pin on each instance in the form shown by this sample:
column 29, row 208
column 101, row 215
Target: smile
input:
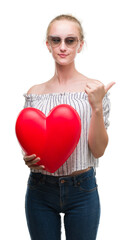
column 62, row 55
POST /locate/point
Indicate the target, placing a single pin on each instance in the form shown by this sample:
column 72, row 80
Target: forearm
column 97, row 137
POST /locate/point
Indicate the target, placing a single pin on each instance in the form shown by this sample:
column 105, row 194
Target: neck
column 65, row 74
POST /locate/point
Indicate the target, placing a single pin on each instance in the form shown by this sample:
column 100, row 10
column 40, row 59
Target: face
column 64, row 41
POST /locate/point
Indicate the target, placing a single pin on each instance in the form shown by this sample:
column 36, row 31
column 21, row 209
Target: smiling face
column 64, row 54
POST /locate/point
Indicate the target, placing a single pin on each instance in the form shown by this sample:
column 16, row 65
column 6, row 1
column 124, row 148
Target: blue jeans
column 75, row 196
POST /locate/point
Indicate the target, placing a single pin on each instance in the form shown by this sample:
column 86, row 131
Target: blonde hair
column 69, row 18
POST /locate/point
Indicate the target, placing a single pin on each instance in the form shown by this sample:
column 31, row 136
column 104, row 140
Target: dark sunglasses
column 70, row 42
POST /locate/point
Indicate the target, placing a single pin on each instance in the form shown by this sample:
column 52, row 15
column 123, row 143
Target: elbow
column 98, row 154
column 99, row 151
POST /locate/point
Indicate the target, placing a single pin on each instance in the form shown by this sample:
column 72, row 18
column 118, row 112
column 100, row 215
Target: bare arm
column 97, row 137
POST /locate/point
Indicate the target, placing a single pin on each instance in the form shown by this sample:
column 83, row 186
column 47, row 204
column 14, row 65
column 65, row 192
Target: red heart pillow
column 52, row 138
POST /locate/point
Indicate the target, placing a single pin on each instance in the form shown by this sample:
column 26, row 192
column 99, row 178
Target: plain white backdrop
column 25, row 61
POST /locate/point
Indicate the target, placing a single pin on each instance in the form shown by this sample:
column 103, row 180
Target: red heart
column 52, row 138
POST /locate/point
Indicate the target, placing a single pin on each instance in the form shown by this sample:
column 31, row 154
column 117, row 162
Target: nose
column 63, row 46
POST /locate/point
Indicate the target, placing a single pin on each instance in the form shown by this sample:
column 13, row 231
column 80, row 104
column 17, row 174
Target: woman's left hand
column 96, row 92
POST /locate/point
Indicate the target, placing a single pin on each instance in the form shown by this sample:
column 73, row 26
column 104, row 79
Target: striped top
column 81, row 158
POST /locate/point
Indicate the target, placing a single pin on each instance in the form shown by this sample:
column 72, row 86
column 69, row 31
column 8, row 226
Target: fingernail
column 43, row 166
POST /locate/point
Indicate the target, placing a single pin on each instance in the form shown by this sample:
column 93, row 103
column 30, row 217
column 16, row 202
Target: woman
column 72, row 189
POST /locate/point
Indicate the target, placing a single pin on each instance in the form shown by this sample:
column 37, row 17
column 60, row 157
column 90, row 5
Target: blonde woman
column 72, row 189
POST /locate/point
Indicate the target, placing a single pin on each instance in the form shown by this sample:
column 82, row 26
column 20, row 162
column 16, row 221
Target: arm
column 97, row 136
column 31, row 160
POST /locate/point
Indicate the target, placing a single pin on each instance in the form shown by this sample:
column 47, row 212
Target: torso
column 50, row 87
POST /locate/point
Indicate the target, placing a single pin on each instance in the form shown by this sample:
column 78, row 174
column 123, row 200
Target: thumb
column 109, row 85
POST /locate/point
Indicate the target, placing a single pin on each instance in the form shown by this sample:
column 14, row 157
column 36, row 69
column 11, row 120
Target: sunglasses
column 70, row 42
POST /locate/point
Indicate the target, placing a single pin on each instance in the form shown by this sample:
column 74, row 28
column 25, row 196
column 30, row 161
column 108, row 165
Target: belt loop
column 74, row 180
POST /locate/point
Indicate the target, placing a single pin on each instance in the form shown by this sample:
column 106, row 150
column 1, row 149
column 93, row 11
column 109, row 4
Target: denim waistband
column 63, row 179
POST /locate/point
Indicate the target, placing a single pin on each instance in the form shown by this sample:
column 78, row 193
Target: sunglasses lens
column 54, row 41
column 71, row 41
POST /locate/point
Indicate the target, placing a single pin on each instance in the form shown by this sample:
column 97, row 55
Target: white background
column 25, row 61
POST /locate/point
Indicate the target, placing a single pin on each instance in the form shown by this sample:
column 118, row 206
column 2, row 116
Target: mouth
column 62, row 55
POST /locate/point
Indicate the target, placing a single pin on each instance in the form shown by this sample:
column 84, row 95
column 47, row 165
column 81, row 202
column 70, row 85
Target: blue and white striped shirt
column 81, row 158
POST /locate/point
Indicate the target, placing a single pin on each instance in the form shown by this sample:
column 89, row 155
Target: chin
column 64, row 63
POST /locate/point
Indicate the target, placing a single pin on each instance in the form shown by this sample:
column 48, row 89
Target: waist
column 77, row 172
column 62, row 179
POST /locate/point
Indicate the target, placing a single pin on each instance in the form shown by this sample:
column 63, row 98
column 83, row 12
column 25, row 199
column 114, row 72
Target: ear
column 48, row 46
column 80, row 47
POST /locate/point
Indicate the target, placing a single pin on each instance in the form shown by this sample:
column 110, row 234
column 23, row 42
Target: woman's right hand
column 31, row 160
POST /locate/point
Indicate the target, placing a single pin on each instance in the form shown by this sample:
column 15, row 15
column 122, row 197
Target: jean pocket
column 87, row 184
column 35, row 180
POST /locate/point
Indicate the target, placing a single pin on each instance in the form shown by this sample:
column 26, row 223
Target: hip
column 64, row 192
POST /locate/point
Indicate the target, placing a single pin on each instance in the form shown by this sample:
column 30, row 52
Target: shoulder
column 88, row 80
column 31, row 90
column 37, row 89
column 92, row 80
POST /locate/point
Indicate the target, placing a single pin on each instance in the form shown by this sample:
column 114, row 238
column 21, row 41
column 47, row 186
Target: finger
column 88, row 85
column 109, row 85
column 87, row 89
column 30, row 157
column 41, row 167
column 33, row 162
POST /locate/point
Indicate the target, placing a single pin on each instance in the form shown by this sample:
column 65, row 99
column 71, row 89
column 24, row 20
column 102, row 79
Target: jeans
column 75, row 196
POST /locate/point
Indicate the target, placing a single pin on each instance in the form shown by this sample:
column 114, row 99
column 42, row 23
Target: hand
column 96, row 92
column 31, row 160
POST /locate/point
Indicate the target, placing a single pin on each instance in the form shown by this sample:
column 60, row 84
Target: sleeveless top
column 81, row 158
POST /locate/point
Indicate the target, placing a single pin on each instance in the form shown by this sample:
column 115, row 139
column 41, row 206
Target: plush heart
column 52, row 138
